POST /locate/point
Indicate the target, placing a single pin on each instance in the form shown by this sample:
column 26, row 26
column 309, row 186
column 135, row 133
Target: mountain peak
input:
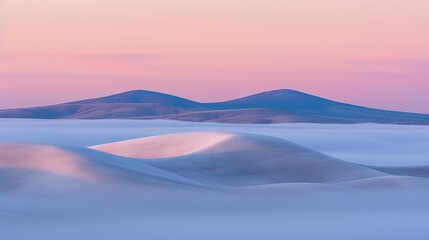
column 138, row 96
column 276, row 106
column 137, row 91
column 285, row 99
column 279, row 94
column 282, row 90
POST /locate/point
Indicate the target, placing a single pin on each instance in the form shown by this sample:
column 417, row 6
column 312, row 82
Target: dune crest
column 164, row 146
column 200, row 159
column 44, row 159
column 237, row 160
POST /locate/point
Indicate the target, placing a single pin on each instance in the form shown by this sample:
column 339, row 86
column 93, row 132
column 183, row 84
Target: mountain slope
column 284, row 99
column 141, row 96
column 130, row 104
column 278, row 106
column 308, row 108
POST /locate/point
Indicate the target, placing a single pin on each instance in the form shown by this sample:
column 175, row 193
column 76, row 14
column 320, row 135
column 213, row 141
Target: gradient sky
column 366, row 52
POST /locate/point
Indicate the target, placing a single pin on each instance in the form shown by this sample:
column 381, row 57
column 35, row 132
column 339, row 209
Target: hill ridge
column 275, row 106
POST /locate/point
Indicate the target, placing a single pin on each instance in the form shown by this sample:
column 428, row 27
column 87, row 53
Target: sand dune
column 202, row 159
column 388, row 182
column 44, row 158
column 225, row 159
column 46, row 167
column 414, row 171
column 31, row 166
column 163, row 146
column 211, row 182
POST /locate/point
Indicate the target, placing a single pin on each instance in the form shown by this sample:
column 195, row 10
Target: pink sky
column 373, row 53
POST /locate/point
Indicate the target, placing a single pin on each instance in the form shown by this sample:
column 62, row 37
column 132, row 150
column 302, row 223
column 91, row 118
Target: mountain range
column 277, row 106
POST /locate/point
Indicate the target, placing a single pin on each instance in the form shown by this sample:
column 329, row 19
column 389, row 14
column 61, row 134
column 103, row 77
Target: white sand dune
column 388, row 182
column 52, row 167
column 46, row 159
column 164, row 146
column 263, row 186
column 413, row 171
column 202, row 159
column 226, row 159
column 46, row 167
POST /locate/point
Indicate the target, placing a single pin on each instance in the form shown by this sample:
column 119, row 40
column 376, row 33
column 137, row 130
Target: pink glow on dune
column 362, row 52
column 164, row 146
column 46, row 159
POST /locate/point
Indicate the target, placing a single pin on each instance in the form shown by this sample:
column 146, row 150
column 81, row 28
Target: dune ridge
column 198, row 160
column 170, row 145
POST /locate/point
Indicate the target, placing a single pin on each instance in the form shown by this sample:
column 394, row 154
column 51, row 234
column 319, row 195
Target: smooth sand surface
column 199, row 159
column 220, row 184
column 163, row 146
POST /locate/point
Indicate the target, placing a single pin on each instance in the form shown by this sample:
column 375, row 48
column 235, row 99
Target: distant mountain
column 130, row 104
column 278, row 106
column 284, row 99
column 141, row 96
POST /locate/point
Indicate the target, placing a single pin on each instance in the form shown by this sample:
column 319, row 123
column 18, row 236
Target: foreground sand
column 199, row 160
column 199, row 185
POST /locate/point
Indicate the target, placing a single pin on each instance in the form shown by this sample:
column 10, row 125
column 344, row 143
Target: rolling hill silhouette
column 278, row 106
